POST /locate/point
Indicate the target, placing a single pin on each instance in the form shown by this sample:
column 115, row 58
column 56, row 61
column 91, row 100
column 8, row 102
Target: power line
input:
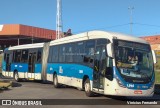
column 107, row 27
column 120, row 25
column 147, row 25
column 115, row 26
column 147, row 33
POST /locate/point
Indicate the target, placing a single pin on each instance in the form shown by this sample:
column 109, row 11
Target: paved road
column 35, row 90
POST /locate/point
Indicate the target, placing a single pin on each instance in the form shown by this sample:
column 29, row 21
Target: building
column 17, row 34
column 154, row 42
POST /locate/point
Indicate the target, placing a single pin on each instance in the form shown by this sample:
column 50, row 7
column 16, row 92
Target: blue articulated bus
column 96, row 61
column 23, row 62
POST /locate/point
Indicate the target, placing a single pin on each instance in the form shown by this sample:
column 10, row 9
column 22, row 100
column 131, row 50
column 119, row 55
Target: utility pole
column 32, row 39
column 59, row 31
column 32, row 34
column 131, row 18
column 18, row 40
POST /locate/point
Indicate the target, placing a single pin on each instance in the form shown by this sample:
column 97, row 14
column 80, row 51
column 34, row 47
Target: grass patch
column 1, row 56
column 5, row 84
column 157, row 65
column 157, row 77
column 157, row 72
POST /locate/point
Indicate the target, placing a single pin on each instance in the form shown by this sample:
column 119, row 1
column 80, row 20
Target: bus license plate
column 137, row 92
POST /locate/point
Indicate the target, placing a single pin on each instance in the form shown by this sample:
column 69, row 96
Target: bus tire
column 55, row 81
column 16, row 76
column 87, row 88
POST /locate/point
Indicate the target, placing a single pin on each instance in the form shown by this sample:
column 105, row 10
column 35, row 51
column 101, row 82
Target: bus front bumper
column 130, row 92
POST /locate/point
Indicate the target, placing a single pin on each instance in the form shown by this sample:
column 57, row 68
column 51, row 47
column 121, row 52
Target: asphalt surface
column 37, row 90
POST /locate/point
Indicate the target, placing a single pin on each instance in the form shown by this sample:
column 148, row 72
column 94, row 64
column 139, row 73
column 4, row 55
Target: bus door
column 8, row 63
column 99, row 69
column 31, row 65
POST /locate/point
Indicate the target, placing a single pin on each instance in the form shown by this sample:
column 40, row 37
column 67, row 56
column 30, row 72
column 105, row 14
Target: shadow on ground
column 157, row 89
column 16, row 84
column 7, row 83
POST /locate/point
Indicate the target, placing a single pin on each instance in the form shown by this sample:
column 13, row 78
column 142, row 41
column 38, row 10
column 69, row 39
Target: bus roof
column 84, row 36
column 97, row 34
column 28, row 46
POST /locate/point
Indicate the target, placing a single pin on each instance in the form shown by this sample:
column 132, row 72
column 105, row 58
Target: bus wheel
column 55, row 81
column 16, row 77
column 87, row 88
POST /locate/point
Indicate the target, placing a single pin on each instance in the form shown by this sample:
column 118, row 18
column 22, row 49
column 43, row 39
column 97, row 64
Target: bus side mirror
column 154, row 57
column 109, row 50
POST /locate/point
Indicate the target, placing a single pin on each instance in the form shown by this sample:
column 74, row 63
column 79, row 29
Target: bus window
column 17, row 56
column 24, row 58
column 89, row 51
column 69, row 51
column 13, row 57
column 39, row 56
column 62, row 53
column 78, row 52
column 102, row 41
column 55, row 54
column 50, row 54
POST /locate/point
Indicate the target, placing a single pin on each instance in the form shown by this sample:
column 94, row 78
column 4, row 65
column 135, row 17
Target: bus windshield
column 134, row 61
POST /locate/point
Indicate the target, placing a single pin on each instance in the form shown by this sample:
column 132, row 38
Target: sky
column 85, row 15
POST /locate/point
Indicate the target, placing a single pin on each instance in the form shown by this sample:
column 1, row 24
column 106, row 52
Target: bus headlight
column 120, row 83
column 152, row 85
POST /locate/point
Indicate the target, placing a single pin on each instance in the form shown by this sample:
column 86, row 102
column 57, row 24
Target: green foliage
column 157, row 71
column 157, row 65
column 1, row 56
column 157, row 77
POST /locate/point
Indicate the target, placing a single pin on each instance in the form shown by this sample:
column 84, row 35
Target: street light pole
column 131, row 18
